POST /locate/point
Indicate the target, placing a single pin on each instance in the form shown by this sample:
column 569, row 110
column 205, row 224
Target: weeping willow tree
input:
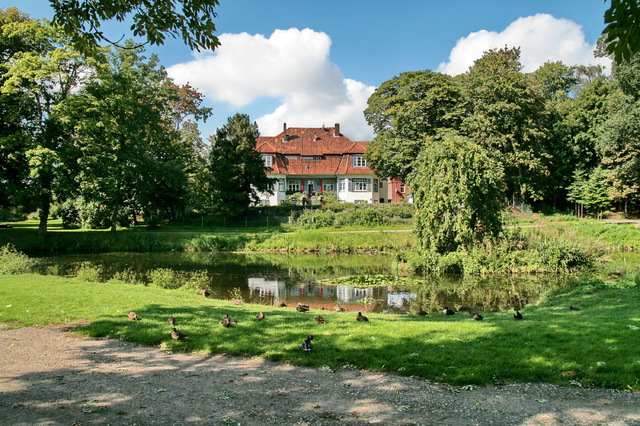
column 457, row 189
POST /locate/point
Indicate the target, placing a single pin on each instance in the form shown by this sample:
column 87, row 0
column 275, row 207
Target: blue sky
column 309, row 63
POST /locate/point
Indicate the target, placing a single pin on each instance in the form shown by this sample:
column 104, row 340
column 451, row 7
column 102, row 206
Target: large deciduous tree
column 403, row 112
column 236, row 171
column 39, row 74
column 132, row 159
column 456, row 191
column 509, row 119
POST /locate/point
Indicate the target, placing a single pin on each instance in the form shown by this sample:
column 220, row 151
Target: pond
column 272, row 279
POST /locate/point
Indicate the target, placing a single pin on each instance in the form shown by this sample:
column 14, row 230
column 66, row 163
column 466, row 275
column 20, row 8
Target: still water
column 291, row 278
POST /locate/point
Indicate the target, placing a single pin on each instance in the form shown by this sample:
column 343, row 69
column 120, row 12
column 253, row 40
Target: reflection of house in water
column 266, row 288
column 400, row 300
column 347, row 294
column 278, row 290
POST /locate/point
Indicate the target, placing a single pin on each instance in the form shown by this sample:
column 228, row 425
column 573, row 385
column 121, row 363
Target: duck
column 171, row 321
column 448, row 311
column 339, row 308
column 302, row 308
column 205, row 293
column 260, row 316
column 227, row 321
column 361, row 317
column 320, row 320
column 476, row 316
column 306, row 344
column 236, row 301
column 133, row 316
column 421, row 312
column 518, row 315
column 574, row 308
column 178, row 335
column 282, row 305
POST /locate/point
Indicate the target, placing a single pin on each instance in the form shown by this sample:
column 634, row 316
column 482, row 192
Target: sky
column 308, row 63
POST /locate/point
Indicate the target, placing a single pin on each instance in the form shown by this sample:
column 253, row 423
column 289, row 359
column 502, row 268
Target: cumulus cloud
column 292, row 66
column 541, row 38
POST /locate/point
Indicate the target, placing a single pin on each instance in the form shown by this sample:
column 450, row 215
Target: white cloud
column 292, row 66
column 541, row 38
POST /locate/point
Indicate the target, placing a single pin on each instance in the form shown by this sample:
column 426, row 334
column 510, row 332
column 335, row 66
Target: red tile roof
column 335, row 152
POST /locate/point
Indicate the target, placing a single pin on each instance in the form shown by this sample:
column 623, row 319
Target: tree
column 40, row 73
column 592, row 190
column 132, row 160
column 457, row 189
column 403, row 112
column 190, row 20
column 622, row 33
column 619, row 139
column 509, row 119
column 236, row 172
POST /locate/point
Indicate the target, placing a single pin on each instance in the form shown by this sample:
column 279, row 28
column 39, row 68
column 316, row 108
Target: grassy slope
column 594, row 346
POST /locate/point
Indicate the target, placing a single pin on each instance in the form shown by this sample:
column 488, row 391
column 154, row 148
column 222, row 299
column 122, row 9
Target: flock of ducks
column 306, row 345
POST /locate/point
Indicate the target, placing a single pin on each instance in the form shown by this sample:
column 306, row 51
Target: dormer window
column 268, row 160
column 358, row 161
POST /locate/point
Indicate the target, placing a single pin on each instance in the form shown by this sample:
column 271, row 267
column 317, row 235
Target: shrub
column 13, row 261
column 365, row 217
column 166, row 278
column 90, row 272
column 315, row 220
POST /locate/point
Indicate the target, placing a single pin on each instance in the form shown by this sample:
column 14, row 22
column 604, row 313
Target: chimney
column 315, row 137
column 284, row 133
column 337, row 131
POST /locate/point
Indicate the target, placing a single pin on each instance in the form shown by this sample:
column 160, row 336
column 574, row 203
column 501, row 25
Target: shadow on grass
column 593, row 346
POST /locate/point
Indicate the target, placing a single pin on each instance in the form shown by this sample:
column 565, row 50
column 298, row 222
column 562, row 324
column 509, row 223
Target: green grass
column 596, row 346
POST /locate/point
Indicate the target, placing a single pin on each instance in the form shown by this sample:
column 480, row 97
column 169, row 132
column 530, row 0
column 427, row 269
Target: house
column 310, row 160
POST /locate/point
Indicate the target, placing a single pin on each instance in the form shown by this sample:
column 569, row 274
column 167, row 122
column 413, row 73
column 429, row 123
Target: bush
column 13, row 261
column 166, row 278
column 68, row 212
column 315, row 220
column 365, row 217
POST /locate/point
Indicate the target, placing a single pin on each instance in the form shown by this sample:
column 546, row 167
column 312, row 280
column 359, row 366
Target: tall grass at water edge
column 596, row 346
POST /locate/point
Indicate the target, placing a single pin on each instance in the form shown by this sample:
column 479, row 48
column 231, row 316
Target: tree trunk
column 45, row 207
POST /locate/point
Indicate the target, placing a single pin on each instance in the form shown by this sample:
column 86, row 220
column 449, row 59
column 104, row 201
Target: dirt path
column 49, row 376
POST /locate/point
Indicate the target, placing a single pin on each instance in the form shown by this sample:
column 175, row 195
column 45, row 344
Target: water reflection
column 286, row 278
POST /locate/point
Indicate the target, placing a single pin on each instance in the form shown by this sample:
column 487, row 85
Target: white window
column 281, row 185
column 342, row 185
column 402, row 188
column 358, row 161
column 293, row 185
column 359, row 184
column 375, row 185
column 328, row 186
column 268, row 160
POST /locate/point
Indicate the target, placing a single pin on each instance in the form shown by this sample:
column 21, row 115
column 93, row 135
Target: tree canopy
column 622, row 33
column 153, row 20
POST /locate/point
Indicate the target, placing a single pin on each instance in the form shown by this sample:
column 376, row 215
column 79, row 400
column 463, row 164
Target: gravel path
column 49, row 377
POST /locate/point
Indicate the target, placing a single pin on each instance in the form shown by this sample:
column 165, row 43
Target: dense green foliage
column 153, row 20
column 235, row 172
column 457, row 194
column 572, row 348
column 623, row 29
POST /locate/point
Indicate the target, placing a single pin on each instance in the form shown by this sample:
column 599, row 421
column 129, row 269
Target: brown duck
column 260, row 316
column 320, row 320
column 132, row 315
column 178, row 335
column 171, row 321
column 302, row 308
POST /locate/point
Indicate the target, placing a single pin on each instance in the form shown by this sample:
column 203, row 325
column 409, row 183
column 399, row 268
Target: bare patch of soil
column 49, row 376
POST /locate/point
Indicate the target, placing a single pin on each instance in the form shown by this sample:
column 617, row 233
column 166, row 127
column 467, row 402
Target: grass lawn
column 595, row 346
